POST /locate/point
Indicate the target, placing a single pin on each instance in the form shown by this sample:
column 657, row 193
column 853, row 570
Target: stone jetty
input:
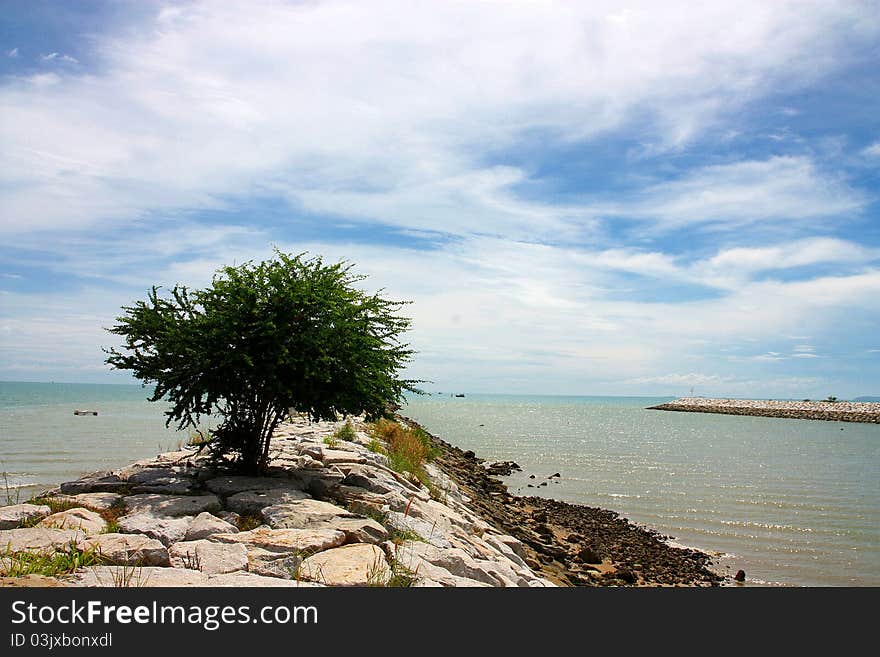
column 838, row 411
column 324, row 516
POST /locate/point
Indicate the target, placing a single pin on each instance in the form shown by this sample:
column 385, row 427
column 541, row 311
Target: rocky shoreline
column 838, row 411
column 330, row 513
column 575, row 545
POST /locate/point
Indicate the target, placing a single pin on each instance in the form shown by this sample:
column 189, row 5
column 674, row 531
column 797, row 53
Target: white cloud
column 347, row 112
column 733, row 195
column 12, row 53
column 873, row 150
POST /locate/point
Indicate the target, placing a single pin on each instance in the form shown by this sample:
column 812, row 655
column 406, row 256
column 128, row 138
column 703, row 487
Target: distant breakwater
column 839, row 411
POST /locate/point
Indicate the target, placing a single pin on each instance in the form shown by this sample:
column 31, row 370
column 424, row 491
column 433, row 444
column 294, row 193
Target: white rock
column 12, row 516
column 336, row 456
column 209, row 557
column 40, row 539
column 427, row 531
column 101, row 481
column 167, row 530
column 351, row 565
column 87, row 521
column 230, row 485
column 253, row 501
column 286, row 540
column 206, row 525
column 131, row 549
column 96, row 501
column 150, row 576
column 302, row 513
column 171, row 505
column 274, row 564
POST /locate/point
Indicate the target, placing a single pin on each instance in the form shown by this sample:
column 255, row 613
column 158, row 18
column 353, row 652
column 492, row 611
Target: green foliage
column 288, row 335
column 331, row 441
column 345, row 432
column 408, row 448
column 18, row 564
column 376, row 447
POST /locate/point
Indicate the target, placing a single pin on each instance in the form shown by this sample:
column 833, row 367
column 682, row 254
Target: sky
column 622, row 198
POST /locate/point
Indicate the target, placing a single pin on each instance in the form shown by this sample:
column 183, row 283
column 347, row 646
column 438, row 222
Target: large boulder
column 206, row 525
column 150, row 576
column 40, row 539
column 85, row 520
column 95, row 501
column 359, row 530
column 254, row 501
column 101, row 481
column 375, row 479
column 129, row 549
column 336, row 456
column 286, row 540
column 274, row 564
column 350, row 565
column 208, row 556
column 230, row 485
column 166, row 530
column 14, row 515
column 171, row 505
column 302, row 513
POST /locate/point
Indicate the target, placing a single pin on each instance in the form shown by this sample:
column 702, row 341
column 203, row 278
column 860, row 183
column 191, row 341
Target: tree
column 288, row 334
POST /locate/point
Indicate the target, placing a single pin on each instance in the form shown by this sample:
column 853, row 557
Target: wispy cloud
column 58, row 57
column 12, row 53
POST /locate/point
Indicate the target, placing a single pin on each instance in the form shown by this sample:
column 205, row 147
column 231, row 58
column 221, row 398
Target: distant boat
column 459, row 395
column 78, row 412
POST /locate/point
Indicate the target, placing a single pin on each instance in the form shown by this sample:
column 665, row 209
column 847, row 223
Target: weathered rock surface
column 40, row 539
column 166, row 530
column 101, row 481
column 350, row 565
column 31, row 581
column 253, row 501
column 230, row 485
column 206, row 525
column 129, row 549
column 96, row 501
column 209, row 557
column 85, row 520
column 13, row 515
column 274, row 564
column 122, row 576
column 286, row 540
column 302, row 513
column 171, row 505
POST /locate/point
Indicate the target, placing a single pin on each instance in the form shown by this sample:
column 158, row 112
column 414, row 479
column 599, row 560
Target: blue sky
column 579, row 198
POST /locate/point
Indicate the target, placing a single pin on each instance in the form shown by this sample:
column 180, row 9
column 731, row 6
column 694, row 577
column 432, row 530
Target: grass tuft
column 55, row 564
column 408, row 448
column 345, row 432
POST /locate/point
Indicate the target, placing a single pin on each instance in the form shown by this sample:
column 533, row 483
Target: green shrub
column 263, row 340
column 346, row 432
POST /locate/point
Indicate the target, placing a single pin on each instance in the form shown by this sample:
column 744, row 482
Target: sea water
column 42, row 442
column 791, row 502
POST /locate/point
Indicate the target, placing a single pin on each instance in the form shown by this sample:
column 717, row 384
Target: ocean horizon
column 792, row 502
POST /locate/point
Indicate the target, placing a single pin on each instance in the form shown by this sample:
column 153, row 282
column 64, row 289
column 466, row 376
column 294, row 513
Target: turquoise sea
column 42, row 442
column 791, row 502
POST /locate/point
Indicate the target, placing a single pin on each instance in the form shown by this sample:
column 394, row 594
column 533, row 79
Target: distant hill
column 867, row 399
